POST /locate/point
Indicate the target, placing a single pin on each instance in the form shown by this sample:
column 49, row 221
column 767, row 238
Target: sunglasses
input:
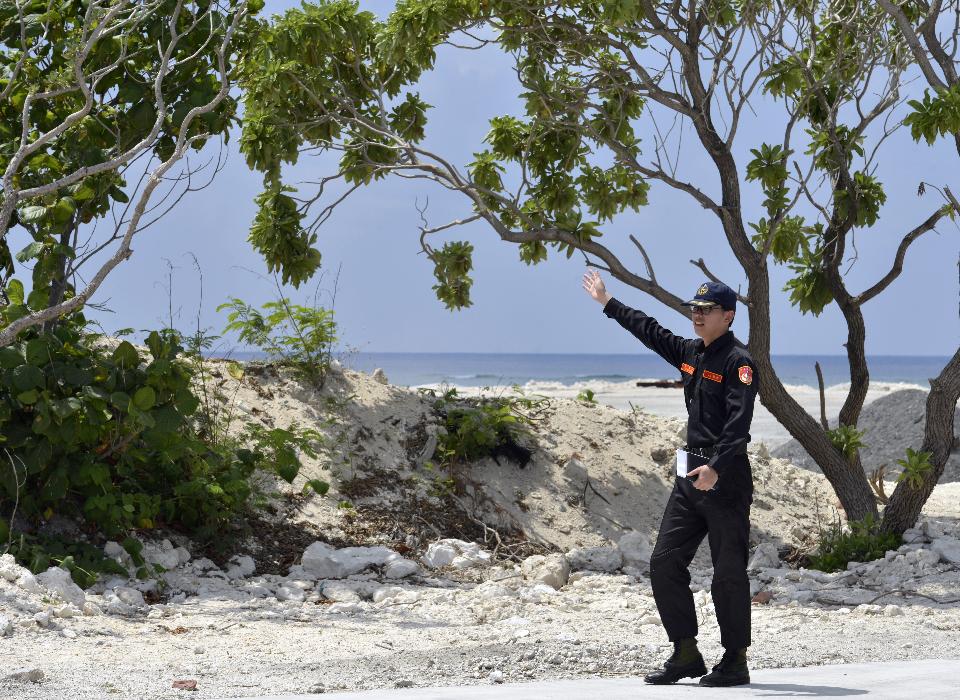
column 702, row 310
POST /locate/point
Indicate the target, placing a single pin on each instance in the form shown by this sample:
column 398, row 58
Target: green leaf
column 64, row 408
column 142, row 417
column 155, row 344
column 320, row 487
column 76, row 376
column 38, row 299
column 28, row 397
column 145, row 398
column 126, row 355
column 29, row 252
column 33, row 214
column 37, row 352
column 41, row 423
column 26, row 377
column 95, row 393
column 286, row 463
column 278, row 234
column 64, row 209
column 10, row 357
column 167, row 419
column 120, row 400
column 15, row 291
column 186, row 402
column 81, row 192
column 133, row 547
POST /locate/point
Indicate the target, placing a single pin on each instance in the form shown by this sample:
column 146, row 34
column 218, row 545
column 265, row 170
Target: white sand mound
column 595, row 472
column 892, row 423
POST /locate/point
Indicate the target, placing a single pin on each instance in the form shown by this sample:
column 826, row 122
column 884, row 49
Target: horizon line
column 571, row 354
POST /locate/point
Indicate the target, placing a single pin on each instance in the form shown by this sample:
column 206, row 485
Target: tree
column 930, row 31
column 92, row 92
column 596, row 78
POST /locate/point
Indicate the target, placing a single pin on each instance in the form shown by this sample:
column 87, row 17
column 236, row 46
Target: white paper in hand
column 681, row 463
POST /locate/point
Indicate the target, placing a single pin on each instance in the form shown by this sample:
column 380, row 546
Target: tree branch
column 713, row 278
column 897, row 266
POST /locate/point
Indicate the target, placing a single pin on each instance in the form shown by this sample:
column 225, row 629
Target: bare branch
column 646, row 259
column 913, row 41
column 897, row 266
column 823, row 399
column 713, row 278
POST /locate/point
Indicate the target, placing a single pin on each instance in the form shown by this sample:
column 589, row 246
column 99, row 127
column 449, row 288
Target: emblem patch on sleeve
column 746, row 374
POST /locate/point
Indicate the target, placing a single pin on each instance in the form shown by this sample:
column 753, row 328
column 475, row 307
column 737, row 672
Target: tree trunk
column 848, row 481
column 906, row 501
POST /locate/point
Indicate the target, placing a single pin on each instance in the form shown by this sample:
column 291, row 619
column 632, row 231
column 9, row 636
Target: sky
column 384, row 301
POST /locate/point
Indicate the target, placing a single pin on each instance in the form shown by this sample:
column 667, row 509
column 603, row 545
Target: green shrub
column 847, row 439
column 479, row 427
column 101, row 434
column 587, row 396
column 296, row 336
column 915, row 467
column 84, row 561
column 864, row 541
column 280, row 448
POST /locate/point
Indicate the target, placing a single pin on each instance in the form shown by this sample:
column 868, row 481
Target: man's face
column 710, row 322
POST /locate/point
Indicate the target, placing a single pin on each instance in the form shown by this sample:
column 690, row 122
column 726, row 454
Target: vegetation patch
column 862, row 541
column 477, row 427
column 112, row 437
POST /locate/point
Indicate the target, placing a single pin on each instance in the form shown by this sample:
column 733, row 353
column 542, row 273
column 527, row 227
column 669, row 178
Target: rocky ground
column 532, row 572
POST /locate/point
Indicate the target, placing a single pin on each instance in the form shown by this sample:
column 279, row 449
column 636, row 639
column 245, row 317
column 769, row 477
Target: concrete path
column 910, row 680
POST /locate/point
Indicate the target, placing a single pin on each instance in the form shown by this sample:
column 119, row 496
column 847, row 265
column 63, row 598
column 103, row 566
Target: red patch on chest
column 712, row 376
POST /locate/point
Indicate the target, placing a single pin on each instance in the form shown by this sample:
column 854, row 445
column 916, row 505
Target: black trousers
column 723, row 516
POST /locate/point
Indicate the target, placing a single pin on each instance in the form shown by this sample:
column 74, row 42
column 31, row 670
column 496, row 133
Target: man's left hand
column 706, row 477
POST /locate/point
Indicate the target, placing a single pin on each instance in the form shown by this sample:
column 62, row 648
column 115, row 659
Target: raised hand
column 594, row 286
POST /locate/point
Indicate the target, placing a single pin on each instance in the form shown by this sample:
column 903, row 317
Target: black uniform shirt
column 719, row 383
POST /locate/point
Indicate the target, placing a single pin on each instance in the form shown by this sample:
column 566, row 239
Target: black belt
column 707, row 452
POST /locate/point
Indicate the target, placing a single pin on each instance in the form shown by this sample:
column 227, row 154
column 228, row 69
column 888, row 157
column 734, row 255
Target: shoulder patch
column 713, row 376
column 745, row 372
column 686, row 368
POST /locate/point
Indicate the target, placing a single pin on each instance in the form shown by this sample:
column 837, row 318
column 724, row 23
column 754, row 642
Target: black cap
column 714, row 293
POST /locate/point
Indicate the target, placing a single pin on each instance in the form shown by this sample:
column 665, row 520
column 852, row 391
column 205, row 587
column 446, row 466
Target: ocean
column 530, row 370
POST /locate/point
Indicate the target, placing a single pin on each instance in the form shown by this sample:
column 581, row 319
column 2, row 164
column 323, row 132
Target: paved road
column 910, row 680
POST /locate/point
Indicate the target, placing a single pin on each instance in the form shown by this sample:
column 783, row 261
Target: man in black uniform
column 713, row 500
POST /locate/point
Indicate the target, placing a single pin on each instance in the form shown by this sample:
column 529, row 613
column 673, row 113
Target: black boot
column 685, row 662
column 732, row 670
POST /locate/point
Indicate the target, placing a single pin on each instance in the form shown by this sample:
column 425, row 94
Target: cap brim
column 699, row 302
